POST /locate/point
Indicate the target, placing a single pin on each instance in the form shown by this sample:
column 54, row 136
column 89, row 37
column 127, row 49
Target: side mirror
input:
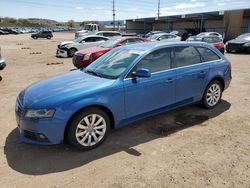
column 143, row 73
column 118, row 45
column 159, row 39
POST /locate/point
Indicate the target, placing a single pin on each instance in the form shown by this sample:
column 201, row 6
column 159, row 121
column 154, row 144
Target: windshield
column 154, row 37
column 194, row 39
column 112, row 64
column 110, row 43
column 87, row 27
column 245, row 36
column 77, row 40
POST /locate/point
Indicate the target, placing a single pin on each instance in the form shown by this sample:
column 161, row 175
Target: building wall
column 232, row 23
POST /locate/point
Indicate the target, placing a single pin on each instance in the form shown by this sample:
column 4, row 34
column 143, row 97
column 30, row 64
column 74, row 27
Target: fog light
column 42, row 137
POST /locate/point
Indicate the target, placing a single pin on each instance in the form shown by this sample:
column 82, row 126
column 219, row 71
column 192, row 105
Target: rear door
column 143, row 95
column 191, row 74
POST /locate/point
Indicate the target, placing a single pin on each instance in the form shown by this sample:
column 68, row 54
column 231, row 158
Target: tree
column 71, row 23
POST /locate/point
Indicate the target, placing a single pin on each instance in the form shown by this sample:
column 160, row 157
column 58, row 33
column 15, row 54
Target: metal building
column 229, row 23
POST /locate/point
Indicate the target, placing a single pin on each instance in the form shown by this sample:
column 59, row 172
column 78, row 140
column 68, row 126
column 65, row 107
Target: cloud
column 98, row 8
column 188, row 6
column 133, row 9
column 107, row 12
column 78, row 8
column 220, row 4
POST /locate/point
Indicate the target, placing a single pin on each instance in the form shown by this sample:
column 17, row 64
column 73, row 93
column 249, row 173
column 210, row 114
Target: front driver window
column 156, row 61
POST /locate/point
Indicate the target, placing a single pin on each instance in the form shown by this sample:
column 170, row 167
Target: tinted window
column 97, row 39
column 156, row 61
column 207, row 54
column 185, row 56
column 217, row 39
column 90, row 39
column 208, row 39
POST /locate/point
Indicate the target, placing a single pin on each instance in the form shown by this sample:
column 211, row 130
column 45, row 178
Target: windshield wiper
column 92, row 72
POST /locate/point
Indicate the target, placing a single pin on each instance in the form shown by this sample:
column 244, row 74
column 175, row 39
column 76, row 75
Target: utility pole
column 158, row 13
column 114, row 15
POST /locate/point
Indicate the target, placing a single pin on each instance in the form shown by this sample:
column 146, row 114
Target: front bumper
column 236, row 47
column 45, row 131
column 61, row 53
column 2, row 64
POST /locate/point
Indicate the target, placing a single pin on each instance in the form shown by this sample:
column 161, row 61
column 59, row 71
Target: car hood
column 238, row 41
column 93, row 50
column 65, row 87
column 66, row 42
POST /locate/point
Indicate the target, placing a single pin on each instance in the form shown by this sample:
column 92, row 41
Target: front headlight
column 87, row 57
column 39, row 113
column 246, row 44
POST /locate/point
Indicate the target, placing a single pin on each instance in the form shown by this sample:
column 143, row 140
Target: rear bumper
column 2, row 63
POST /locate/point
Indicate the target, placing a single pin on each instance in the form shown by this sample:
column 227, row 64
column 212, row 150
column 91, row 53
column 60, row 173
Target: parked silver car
column 68, row 48
column 167, row 37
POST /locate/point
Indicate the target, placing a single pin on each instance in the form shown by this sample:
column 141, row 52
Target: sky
column 101, row 10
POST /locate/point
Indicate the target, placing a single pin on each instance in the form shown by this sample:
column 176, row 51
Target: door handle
column 169, row 80
column 202, row 72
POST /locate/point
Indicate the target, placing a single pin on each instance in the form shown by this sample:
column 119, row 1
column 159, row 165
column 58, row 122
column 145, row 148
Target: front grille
column 78, row 57
column 233, row 46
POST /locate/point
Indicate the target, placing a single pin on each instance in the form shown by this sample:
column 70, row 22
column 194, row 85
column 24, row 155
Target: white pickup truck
column 89, row 29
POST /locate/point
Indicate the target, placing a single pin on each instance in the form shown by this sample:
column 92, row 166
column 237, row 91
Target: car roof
column 83, row 37
column 148, row 46
column 108, row 32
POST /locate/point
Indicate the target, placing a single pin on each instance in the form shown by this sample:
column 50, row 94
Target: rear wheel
column 48, row 37
column 1, row 78
column 71, row 52
column 212, row 95
column 88, row 129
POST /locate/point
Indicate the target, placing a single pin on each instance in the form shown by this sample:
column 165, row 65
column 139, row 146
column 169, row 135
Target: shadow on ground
column 38, row 160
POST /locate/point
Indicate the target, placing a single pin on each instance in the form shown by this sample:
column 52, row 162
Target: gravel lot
column 189, row 147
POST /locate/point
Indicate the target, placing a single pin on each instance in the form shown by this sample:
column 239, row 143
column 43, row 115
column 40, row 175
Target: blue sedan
column 124, row 85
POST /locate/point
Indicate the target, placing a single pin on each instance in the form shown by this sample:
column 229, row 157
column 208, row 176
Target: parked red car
column 215, row 40
column 84, row 57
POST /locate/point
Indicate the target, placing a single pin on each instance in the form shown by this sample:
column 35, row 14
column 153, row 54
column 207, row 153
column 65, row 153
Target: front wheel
column 88, row 129
column 212, row 95
column 71, row 52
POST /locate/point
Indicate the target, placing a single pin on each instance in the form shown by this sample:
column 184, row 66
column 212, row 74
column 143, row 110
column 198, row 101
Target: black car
column 239, row 44
column 42, row 34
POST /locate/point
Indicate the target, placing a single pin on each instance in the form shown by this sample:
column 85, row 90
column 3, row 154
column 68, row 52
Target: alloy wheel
column 90, row 130
column 213, row 94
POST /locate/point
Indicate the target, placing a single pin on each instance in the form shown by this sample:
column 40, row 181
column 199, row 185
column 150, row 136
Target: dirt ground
column 189, row 147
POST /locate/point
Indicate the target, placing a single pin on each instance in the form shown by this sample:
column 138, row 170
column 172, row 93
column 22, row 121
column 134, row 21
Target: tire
column 88, row 129
column 48, row 37
column 228, row 50
column 212, row 95
column 248, row 50
column 1, row 78
column 71, row 52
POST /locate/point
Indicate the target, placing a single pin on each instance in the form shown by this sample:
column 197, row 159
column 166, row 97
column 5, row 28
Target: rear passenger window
column 207, row 54
column 156, row 61
column 185, row 56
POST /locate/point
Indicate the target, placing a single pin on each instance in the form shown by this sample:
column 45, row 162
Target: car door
column 191, row 74
column 143, row 95
column 91, row 42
